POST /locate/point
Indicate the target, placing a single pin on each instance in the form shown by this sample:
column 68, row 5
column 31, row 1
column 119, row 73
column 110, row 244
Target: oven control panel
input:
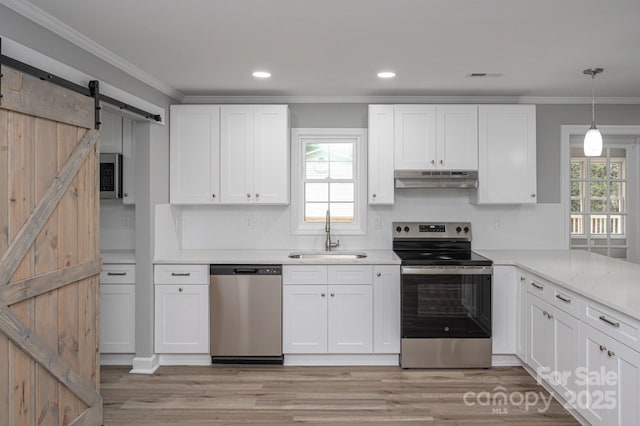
column 432, row 230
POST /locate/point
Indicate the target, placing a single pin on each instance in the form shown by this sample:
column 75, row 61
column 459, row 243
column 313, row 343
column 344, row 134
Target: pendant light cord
column 593, row 100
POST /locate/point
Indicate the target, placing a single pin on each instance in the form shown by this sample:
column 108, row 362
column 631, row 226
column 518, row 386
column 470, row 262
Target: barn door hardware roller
column 93, row 90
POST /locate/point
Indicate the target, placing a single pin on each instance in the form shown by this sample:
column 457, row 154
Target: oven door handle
column 447, row 270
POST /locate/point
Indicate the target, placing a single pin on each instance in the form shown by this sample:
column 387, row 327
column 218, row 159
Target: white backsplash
column 539, row 226
column 117, row 225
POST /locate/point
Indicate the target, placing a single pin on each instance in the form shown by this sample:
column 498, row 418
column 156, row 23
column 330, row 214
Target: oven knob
column 458, row 230
column 398, row 229
column 406, row 229
column 466, row 229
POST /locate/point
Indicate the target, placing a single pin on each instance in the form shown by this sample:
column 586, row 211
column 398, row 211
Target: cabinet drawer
column 565, row 300
column 118, row 274
column 612, row 323
column 304, row 274
column 350, row 274
column 181, row 274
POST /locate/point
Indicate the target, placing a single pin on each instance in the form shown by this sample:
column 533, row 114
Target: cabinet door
column 507, row 154
column 627, row 387
column 415, row 137
column 194, row 154
column 350, row 319
column 457, row 137
column 128, row 163
column 117, row 318
column 271, row 154
column 540, row 355
column 304, row 319
column 182, row 319
column 236, row 154
column 111, row 132
column 503, row 308
column 381, row 180
column 386, row 309
column 566, row 354
column 594, row 357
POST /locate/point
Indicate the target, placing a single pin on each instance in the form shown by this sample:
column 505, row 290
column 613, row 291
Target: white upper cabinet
column 441, row 137
column 381, row 183
column 506, row 154
column 194, row 154
column 415, row 137
column 254, row 154
column 457, row 137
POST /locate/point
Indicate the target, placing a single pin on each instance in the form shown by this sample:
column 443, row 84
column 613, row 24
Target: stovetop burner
column 442, row 243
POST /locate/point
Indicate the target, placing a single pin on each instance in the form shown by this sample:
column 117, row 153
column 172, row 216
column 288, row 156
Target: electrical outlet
column 499, row 223
column 249, row 223
column 378, row 222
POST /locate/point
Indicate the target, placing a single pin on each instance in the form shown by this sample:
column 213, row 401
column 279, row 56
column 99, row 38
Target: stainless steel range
column 446, row 296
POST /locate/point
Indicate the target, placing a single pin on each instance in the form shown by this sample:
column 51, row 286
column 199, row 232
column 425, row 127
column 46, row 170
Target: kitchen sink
column 328, row 255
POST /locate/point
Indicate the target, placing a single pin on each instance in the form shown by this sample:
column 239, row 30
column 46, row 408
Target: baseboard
column 342, row 359
column 185, row 359
column 505, row 360
column 117, row 359
column 145, row 365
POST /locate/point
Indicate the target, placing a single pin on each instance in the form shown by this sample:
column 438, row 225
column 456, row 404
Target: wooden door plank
column 21, row 202
column 23, row 241
column 46, row 255
column 4, row 384
column 4, row 181
column 90, row 417
column 40, row 284
column 68, row 303
column 30, row 95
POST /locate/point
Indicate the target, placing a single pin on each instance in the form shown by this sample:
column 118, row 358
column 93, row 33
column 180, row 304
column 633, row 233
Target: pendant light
column 593, row 138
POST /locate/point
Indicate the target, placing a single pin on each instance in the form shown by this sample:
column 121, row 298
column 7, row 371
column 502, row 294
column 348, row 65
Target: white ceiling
column 336, row 47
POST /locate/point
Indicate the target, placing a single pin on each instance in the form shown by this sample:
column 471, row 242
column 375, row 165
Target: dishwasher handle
column 245, row 269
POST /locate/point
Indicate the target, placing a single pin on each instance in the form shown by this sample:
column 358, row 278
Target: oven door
column 446, row 302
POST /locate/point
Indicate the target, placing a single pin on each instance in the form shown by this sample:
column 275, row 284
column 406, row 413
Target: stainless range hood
column 436, row 179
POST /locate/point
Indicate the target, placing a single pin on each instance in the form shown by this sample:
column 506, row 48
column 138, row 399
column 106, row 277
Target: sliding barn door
column 49, row 255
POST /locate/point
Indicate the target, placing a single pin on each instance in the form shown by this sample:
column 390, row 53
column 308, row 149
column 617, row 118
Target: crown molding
column 40, row 17
column 213, row 99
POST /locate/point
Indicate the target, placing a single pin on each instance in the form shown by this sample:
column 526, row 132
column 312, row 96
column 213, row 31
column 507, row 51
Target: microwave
column 110, row 176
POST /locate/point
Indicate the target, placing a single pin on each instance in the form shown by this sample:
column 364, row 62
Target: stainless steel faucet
column 328, row 244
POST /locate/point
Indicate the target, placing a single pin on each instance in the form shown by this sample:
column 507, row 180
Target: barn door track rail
column 93, row 89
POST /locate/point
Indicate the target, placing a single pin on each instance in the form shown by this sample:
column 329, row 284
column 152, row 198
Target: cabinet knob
column 433, row 161
column 257, row 195
column 611, row 353
column 213, row 195
column 603, row 348
column 533, row 195
column 379, row 274
column 333, row 294
column 125, row 195
column 322, row 294
column 373, row 195
column 522, row 278
column 248, row 195
column 441, row 162
column 180, row 289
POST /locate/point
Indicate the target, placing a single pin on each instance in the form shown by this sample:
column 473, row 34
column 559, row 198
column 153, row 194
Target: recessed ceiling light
column 386, row 74
column 261, row 74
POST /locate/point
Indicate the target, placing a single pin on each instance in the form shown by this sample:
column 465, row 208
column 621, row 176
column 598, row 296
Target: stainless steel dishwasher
column 246, row 314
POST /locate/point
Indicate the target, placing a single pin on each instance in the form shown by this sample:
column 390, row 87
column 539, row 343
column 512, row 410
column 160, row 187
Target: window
column 328, row 175
column 599, row 201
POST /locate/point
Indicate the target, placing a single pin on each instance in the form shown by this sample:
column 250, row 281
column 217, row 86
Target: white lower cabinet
column 339, row 309
column 614, row 387
column 117, row 318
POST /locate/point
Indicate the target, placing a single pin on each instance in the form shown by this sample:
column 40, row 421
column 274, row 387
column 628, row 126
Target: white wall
column 494, row 227
column 117, row 226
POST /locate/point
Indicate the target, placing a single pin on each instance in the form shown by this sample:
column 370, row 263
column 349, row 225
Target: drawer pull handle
column 564, row 299
column 181, row 274
column 608, row 321
column 611, row 353
column 111, row 274
column 539, row 287
column 603, row 348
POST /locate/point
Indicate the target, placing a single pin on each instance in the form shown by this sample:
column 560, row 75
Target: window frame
column 298, row 137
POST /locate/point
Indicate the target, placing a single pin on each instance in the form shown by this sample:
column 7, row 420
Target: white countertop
column 612, row 282
column 118, row 256
column 374, row 257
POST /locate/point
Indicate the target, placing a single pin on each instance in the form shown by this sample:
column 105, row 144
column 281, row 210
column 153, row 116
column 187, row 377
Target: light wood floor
column 328, row 395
